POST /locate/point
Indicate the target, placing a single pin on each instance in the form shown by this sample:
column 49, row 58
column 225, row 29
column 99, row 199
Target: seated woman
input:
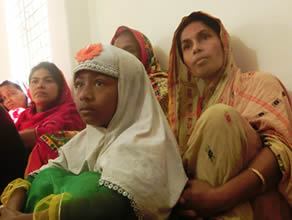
column 138, row 44
column 52, row 111
column 234, row 128
column 13, row 98
column 127, row 156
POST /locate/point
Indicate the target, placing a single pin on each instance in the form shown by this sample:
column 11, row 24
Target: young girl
column 126, row 161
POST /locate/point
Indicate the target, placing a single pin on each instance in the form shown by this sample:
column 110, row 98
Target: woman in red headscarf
column 139, row 45
column 52, row 118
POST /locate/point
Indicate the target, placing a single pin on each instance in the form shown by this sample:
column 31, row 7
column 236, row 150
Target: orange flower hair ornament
column 89, row 52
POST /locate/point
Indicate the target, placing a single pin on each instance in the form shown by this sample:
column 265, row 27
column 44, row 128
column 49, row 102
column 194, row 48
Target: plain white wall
column 4, row 58
column 79, row 32
column 70, row 30
column 59, row 36
column 261, row 30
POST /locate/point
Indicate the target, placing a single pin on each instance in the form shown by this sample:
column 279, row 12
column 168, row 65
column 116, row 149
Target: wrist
column 23, row 216
column 220, row 200
column 213, row 202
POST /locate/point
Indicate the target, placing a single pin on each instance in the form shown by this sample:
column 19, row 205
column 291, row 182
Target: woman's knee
column 219, row 114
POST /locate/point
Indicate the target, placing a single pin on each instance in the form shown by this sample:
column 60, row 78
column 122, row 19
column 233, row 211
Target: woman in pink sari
column 52, row 118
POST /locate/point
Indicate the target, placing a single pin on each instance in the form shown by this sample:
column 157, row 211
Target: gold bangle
column 260, row 176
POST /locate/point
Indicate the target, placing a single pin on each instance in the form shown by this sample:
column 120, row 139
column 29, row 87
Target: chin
column 199, row 74
column 88, row 121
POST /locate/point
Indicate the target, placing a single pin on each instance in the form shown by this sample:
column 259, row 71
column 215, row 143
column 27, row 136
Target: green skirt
column 85, row 198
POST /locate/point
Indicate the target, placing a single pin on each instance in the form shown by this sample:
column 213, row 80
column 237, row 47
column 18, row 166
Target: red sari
column 62, row 117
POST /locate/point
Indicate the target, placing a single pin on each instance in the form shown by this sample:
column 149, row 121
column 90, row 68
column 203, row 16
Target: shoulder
column 259, row 76
column 260, row 80
column 26, row 113
column 266, row 77
column 259, row 84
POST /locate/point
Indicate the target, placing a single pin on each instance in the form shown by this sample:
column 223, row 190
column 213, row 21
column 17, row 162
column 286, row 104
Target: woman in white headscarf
column 126, row 160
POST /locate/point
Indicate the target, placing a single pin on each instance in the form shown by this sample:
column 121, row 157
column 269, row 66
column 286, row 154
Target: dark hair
column 196, row 16
column 9, row 83
column 53, row 70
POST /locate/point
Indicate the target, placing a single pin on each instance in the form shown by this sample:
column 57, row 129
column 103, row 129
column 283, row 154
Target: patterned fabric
column 259, row 97
column 47, row 149
column 157, row 77
column 58, row 139
column 207, row 160
column 217, row 155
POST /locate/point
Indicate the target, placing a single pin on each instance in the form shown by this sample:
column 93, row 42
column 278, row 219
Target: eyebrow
column 78, row 76
column 198, row 33
column 46, row 77
column 97, row 75
column 102, row 76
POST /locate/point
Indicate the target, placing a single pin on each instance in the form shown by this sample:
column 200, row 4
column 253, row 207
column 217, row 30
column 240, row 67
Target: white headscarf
column 137, row 153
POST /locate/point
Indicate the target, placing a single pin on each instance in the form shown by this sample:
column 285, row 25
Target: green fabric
column 29, row 179
column 88, row 201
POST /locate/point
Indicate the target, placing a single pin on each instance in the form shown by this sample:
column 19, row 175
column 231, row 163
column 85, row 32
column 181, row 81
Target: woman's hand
column 17, row 199
column 28, row 138
column 8, row 214
column 198, row 199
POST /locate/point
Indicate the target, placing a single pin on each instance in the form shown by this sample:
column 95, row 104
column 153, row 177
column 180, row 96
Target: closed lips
column 40, row 93
column 87, row 109
column 199, row 60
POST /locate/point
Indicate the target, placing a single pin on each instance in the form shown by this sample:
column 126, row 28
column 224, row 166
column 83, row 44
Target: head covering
column 21, row 86
column 137, row 152
column 15, row 113
column 63, row 116
column 157, row 77
column 148, row 58
column 259, row 97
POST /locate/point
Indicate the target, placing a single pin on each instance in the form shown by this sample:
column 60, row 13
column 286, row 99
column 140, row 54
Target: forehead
column 41, row 73
column 124, row 38
column 86, row 74
column 8, row 87
column 193, row 29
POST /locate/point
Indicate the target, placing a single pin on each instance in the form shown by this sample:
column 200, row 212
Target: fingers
column 181, row 200
column 189, row 183
column 187, row 213
column 1, row 209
